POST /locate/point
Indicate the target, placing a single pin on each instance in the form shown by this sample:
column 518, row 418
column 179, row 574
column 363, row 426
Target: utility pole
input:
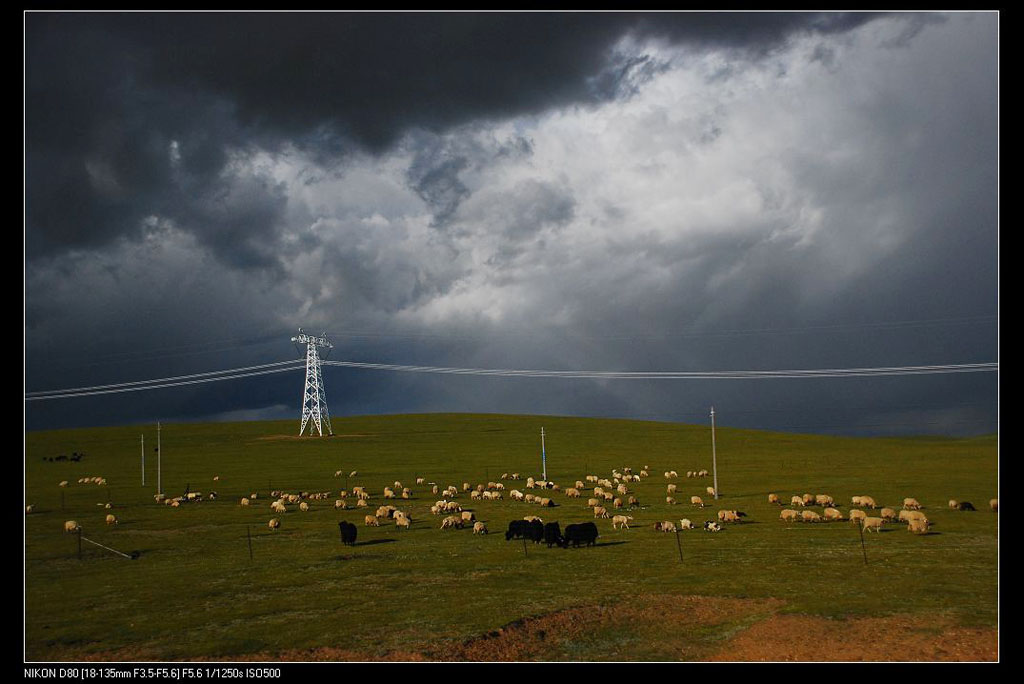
column 142, row 439
column 714, row 459
column 159, row 454
column 543, row 457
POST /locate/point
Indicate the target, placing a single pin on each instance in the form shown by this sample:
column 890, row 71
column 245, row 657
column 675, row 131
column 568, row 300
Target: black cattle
column 348, row 533
column 585, row 533
column 552, row 534
column 535, row 532
column 517, row 529
column 966, row 506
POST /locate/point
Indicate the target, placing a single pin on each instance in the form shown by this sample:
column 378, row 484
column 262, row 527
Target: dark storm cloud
column 107, row 94
column 608, row 191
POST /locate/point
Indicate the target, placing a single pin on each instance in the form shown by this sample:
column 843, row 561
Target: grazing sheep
column 668, row 475
column 788, row 515
column 916, row 515
column 774, row 499
column 62, row 483
column 868, row 502
column 911, row 504
column 856, row 500
column 953, row 503
column 531, row 518
column 71, row 526
column 337, row 473
column 712, row 526
column 29, row 508
column 340, row 504
column 671, row 489
column 545, row 502
column 274, row 523
column 516, row 495
column 452, row 521
column 918, row 526
column 479, row 528
column 371, row 521
column 872, row 523
column 796, row 501
column 278, row 507
column 810, row 516
column 617, row 503
column 685, row 524
column 669, row 500
column 402, row 521
column 579, row 485
column 994, row 505
column 673, row 473
column 691, row 473
column 808, row 499
column 572, row 493
column 361, row 503
column 474, row 495
column 303, row 506
column 857, row 514
column 111, row 519
column 620, row 521
column 600, row 512
column 887, row 514
column 468, row 516
column 668, row 526
column 657, row 527
column 530, row 498
column 353, row 473
column 728, row 516
column 711, row 491
column 591, row 503
column 833, row 514
column 823, row 500
column 697, row 501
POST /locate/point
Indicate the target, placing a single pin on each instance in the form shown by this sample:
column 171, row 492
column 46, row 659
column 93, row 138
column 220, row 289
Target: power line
column 136, row 387
column 178, row 377
column 681, row 375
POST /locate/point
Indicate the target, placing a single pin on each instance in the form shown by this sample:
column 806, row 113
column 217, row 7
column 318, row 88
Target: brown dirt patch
column 669, row 628
column 291, row 438
column 907, row 638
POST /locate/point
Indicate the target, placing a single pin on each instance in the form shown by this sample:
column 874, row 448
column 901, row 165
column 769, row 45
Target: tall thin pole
column 159, row 454
column 543, row 457
column 714, row 457
column 142, row 439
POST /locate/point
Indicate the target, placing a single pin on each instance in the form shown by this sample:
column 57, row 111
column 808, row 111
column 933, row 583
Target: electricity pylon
column 314, row 399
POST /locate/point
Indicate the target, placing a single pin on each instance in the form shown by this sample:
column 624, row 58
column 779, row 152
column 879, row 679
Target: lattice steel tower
column 314, row 400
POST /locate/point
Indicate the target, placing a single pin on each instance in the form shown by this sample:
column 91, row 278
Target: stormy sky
column 607, row 191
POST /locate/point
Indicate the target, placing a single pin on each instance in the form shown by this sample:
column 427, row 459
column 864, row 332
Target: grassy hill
column 193, row 592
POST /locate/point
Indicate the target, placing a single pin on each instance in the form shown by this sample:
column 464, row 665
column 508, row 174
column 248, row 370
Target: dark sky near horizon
column 607, row 191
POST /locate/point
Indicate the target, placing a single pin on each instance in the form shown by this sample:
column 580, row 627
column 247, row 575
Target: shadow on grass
column 371, row 542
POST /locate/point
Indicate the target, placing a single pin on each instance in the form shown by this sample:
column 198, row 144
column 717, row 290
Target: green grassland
column 193, row 592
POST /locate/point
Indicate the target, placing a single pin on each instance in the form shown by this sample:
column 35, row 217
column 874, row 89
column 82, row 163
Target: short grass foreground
column 193, row 592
